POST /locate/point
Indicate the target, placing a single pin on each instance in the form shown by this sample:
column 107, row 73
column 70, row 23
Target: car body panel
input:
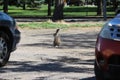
column 107, row 51
column 109, row 47
column 8, row 24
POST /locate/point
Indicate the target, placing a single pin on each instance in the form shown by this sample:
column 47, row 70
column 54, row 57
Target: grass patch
column 72, row 11
column 43, row 25
column 29, row 12
column 62, row 25
column 87, row 24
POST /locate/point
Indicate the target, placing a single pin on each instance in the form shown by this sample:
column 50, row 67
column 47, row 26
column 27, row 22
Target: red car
column 107, row 51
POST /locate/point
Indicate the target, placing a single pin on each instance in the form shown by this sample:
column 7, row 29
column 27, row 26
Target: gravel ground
column 37, row 59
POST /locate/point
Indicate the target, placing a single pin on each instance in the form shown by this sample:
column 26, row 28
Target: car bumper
column 108, row 57
column 16, row 39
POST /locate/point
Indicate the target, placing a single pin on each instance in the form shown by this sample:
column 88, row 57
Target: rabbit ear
column 57, row 30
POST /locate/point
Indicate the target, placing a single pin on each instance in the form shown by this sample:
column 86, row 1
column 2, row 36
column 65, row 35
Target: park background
column 54, row 10
column 72, row 8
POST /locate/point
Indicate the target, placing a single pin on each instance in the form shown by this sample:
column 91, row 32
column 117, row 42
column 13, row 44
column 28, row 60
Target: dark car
column 9, row 37
column 74, row 2
column 107, row 51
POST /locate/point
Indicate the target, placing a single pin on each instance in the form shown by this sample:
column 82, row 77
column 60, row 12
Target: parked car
column 117, row 11
column 107, row 51
column 9, row 37
column 74, row 2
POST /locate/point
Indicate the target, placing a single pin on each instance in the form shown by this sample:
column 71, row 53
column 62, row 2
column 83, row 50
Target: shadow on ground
column 68, row 41
column 90, row 78
column 52, row 65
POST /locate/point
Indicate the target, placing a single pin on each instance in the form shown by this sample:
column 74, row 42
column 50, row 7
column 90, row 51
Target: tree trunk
column 115, row 4
column 58, row 11
column 24, row 5
column 49, row 7
column 99, row 7
column 5, row 6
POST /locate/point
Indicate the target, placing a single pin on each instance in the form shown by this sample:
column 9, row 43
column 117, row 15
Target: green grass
column 33, row 12
column 42, row 25
column 62, row 25
column 87, row 25
column 72, row 11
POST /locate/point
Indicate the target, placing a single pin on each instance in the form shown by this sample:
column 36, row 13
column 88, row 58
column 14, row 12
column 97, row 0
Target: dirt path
column 37, row 59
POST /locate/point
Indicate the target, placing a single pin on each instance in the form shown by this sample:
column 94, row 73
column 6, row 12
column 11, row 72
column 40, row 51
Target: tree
column 99, row 7
column 115, row 4
column 5, row 6
column 58, row 11
column 24, row 5
column 49, row 7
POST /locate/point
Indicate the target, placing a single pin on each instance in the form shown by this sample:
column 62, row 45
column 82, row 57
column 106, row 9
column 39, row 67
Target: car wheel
column 4, row 48
column 98, row 72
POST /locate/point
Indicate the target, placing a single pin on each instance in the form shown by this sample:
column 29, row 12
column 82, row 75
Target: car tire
column 98, row 72
column 4, row 48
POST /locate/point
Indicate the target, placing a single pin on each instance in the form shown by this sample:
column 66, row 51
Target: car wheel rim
column 3, row 49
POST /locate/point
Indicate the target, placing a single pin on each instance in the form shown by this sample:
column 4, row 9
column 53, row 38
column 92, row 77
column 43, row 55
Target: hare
column 57, row 39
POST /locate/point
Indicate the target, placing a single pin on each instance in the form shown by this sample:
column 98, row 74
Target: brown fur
column 57, row 39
